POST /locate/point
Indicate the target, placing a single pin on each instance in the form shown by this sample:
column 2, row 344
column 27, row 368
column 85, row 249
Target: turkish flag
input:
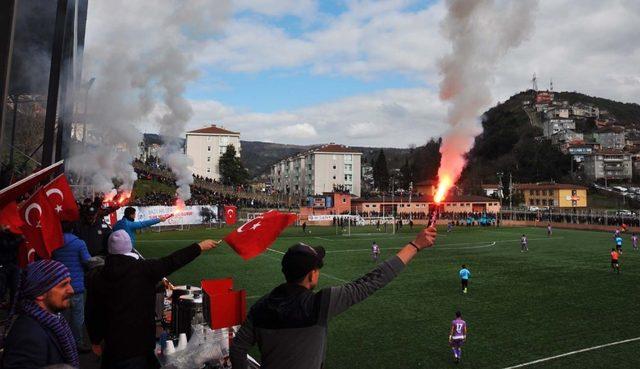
column 230, row 214
column 255, row 236
column 61, row 199
column 10, row 217
column 42, row 228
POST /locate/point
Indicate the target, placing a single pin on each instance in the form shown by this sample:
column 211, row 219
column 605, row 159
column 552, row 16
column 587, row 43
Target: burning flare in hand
column 444, row 186
column 180, row 206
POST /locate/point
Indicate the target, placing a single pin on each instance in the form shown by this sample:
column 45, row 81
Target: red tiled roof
column 331, row 148
column 213, row 129
column 547, row 186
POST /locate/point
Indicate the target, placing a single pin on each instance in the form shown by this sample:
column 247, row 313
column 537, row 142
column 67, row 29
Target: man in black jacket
column 290, row 323
column 121, row 306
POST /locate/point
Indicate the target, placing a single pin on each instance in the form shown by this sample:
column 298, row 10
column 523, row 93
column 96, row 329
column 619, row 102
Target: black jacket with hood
column 120, row 307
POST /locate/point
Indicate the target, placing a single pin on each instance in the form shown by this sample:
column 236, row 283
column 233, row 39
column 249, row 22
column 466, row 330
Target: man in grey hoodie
column 290, row 323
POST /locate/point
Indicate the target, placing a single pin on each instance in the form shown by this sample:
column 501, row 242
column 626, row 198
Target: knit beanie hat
column 41, row 276
column 120, row 243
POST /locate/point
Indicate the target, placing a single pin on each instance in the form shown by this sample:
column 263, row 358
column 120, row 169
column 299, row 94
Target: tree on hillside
column 407, row 174
column 381, row 172
column 232, row 172
column 426, row 160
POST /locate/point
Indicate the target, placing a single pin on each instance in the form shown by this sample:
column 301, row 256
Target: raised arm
column 347, row 295
column 159, row 268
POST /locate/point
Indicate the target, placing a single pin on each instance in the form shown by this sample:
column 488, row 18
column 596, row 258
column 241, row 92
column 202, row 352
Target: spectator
column 9, row 272
column 40, row 336
column 74, row 255
column 121, row 310
column 290, row 323
column 129, row 225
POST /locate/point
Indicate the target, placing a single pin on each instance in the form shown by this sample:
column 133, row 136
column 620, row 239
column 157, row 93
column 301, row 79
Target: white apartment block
column 318, row 170
column 205, row 146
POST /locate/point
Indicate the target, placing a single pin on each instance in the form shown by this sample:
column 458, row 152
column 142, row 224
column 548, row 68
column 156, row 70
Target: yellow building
column 557, row 195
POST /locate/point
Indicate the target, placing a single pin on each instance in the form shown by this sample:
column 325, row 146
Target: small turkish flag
column 42, row 228
column 10, row 217
column 61, row 199
column 230, row 214
column 253, row 237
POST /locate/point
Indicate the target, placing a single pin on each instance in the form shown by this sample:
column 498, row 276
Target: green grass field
column 557, row 298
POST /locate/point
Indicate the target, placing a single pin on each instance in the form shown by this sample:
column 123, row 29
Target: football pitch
column 556, row 299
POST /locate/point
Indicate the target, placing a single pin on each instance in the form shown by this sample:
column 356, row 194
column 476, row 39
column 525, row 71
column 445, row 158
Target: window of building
column 348, row 167
column 208, row 170
column 344, row 199
column 334, row 177
column 530, row 201
column 334, row 167
column 531, row 192
column 348, row 158
column 208, row 148
column 223, row 149
column 551, row 202
column 209, row 138
column 537, row 201
column 366, row 206
column 537, row 192
column 208, row 158
column 348, row 177
column 544, row 201
column 550, row 192
column 544, row 192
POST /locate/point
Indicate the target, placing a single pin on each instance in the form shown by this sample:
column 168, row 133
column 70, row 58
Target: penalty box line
column 573, row 353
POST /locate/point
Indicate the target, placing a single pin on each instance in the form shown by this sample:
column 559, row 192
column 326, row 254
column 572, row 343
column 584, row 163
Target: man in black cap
column 290, row 323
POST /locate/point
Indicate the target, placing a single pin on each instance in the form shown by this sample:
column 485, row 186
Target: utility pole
column 410, row 192
column 510, row 191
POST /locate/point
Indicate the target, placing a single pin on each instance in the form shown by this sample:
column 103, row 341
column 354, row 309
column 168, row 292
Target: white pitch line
column 325, row 239
column 573, row 353
column 276, row 251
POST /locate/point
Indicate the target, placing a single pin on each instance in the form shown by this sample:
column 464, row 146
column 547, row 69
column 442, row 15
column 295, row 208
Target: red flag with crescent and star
column 255, row 236
column 230, row 214
column 61, row 199
column 42, row 229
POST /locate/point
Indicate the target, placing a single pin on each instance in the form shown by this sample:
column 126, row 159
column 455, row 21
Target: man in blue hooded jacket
column 129, row 225
column 74, row 255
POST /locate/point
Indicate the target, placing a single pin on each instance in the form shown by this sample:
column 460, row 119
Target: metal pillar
column 8, row 10
column 54, row 84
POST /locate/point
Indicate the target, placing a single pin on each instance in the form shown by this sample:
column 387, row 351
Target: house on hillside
column 608, row 164
column 553, row 126
column 610, row 137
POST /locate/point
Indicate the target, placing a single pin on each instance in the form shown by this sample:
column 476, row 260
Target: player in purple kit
column 634, row 241
column 375, row 251
column 457, row 336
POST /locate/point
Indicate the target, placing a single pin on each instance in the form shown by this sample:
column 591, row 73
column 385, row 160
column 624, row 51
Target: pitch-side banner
column 196, row 214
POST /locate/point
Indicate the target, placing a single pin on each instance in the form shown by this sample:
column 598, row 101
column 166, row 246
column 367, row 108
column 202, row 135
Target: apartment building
column 206, row 145
column 319, row 170
column 608, row 164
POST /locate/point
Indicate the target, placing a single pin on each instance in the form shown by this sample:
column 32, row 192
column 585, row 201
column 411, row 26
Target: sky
column 365, row 73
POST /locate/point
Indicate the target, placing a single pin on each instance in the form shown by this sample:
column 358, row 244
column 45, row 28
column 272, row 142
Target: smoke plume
column 141, row 55
column 481, row 32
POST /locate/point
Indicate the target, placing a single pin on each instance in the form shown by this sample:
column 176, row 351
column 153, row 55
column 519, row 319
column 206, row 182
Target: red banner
column 230, row 214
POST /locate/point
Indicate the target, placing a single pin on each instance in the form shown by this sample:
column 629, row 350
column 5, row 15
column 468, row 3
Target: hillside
column 509, row 144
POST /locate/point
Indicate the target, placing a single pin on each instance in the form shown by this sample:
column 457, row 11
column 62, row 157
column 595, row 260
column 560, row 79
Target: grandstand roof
column 214, row 130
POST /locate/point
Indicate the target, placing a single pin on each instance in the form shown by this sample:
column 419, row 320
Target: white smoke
column 141, row 54
column 481, row 32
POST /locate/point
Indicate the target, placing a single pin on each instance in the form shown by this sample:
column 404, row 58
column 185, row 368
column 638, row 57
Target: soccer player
column 304, row 227
column 449, row 227
column 549, row 230
column 524, row 244
column 457, row 336
column 615, row 265
column 465, row 274
column 375, row 251
column 619, row 244
column 634, row 240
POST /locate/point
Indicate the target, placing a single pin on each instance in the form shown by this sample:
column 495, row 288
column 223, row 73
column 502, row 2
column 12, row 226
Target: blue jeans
column 75, row 316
